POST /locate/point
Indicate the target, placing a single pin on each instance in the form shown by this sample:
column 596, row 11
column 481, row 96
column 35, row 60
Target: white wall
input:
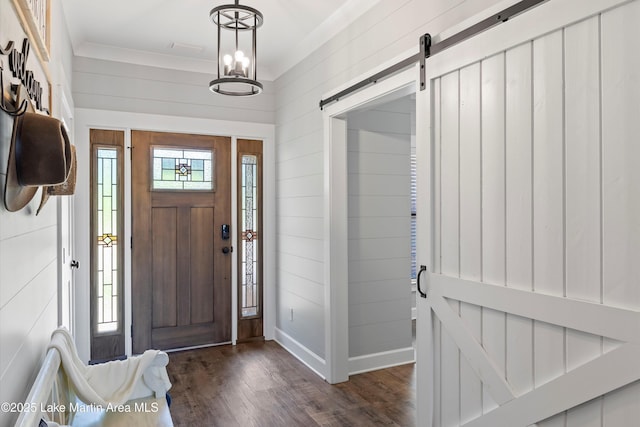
column 28, row 244
column 378, row 158
column 387, row 30
column 118, row 86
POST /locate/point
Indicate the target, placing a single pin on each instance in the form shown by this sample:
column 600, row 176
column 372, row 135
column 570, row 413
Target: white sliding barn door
column 532, row 141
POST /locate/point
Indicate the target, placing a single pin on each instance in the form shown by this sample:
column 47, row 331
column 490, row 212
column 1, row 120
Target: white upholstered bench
column 53, row 401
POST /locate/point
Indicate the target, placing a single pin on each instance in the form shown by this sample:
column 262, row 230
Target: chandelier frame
column 237, row 81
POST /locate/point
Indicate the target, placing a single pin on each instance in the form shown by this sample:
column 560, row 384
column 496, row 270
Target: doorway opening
column 349, row 210
column 381, row 224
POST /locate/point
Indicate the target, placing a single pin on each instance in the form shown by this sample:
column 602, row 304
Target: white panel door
column 530, row 137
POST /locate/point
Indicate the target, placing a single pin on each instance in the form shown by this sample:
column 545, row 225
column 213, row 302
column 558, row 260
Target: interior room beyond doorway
column 381, row 231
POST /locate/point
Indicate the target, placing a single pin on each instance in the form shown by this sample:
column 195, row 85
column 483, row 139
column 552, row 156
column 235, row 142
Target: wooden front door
column 181, row 269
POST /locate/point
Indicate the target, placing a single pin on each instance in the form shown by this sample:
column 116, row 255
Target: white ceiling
column 144, row 31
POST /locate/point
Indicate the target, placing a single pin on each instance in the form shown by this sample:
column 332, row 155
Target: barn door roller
column 427, row 48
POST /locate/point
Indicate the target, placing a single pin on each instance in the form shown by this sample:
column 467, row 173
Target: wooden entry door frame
column 86, row 119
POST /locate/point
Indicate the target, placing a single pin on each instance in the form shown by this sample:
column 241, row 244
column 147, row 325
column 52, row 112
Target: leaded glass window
column 178, row 169
column 107, row 234
column 250, row 235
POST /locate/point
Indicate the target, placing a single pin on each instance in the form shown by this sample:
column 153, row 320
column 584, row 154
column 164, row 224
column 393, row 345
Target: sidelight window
column 250, row 236
column 107, row 229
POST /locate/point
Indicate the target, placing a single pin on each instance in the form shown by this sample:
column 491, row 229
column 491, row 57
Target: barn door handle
column 423, row 268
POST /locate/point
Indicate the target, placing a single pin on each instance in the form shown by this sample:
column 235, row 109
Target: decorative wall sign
column 18, row 69
column 35, row 16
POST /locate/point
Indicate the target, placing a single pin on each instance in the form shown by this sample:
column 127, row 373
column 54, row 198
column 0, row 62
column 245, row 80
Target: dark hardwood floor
column 261, row 384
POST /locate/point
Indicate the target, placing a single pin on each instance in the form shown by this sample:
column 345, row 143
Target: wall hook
column 12, row 111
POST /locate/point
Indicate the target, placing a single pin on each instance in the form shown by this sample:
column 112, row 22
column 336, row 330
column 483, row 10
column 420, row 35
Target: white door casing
column 335, row 367
column 532, row 235
column 66, row 287
column 66, row 279
column 86, row 119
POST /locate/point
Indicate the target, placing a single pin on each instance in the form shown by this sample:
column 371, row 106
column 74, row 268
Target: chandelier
column 237, row 71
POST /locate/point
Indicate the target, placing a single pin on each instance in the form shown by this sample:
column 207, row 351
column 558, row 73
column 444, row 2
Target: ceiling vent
column 186, row 47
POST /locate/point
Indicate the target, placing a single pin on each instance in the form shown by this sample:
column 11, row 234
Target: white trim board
column 382, row 360
column 406, row 80
column 300, row 352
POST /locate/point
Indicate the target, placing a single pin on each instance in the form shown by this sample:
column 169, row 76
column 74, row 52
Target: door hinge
column 131, row 242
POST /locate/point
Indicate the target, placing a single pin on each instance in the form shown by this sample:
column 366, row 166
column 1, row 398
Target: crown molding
column 152, row 59
column 334, row 24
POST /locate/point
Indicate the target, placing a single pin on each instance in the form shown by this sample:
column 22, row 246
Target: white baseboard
column 302, row 353
column 386, row 359
column 357, row 365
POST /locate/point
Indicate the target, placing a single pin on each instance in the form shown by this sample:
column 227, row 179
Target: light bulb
column 227, row 59
column 245, row 62
column 239, row 55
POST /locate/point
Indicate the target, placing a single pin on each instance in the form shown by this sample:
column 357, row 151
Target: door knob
column 75, row 264
column 226, row 249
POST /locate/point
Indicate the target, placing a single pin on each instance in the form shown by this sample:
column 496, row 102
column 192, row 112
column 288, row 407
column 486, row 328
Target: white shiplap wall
column 109, row 85
column 378, row 158
column 28, row 244
column 389, row 28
